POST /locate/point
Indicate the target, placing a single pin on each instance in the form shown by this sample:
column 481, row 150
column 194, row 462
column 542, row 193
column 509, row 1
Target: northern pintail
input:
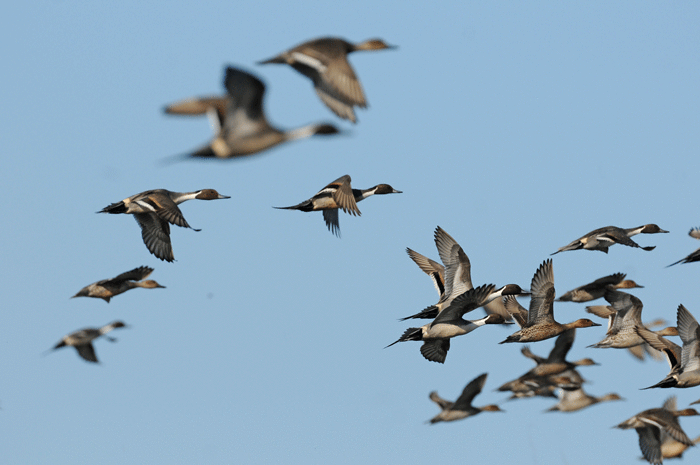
column 551, row 372
column 455, row 274
column 540, row 322
column 685, row 361
column 597, row 288
column 578, row 399
column 556, row 362
column 239, row 119
column 695, row 256
column 154, row 209
column 108, row 288
column 339, row 195
column 649, row 425
column 602, row 238
column 624, row 317
column 670, row 448
column 82, row 340
column 325, row 62
column 449, row 323
column 462, row 407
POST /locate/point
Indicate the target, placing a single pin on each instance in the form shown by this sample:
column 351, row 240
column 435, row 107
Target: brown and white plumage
column 602, row 238
column 108, row 288
column 155, row 210
column 339, row 195
column 578, row 399
column 540, row 322
column 241, row 126
column 450, row 323
column 455, row 275
column 597, row 288
column 650, row 423
column 325, row 62
column 624, row 317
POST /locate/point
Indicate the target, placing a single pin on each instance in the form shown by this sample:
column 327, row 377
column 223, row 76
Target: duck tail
column 427, row 313
column 305, row 206
column 118, row 207
column 511, row 338
column 668, row 382
column 411, row 334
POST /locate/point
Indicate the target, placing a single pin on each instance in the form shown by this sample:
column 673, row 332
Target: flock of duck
column 241, row 129
column 660, row 434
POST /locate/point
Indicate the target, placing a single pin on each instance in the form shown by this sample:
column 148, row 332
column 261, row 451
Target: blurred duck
column 670, row 448
column 637, row 351
column 578, row 399
column 154, row 210
column 82, row 340
column 556, row 362
column 685, row 361
column 449, row 323
column 695, row 256
column 462, row 407
column 108, row 288
column 597, row 288
column 651, row 423
column 452, row 279
column 624, row 317
column 550, row 373
column 602, row 238
column 339, row 195
column 325, row 62
column 239, row 120
column 540, row 323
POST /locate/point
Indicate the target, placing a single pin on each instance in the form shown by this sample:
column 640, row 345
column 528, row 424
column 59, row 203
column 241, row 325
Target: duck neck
column 361, row 194
column 179, row 197
column 301, row 133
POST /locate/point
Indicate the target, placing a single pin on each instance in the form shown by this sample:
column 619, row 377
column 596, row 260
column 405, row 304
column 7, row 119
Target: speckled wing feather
column 343, row 195
column 543, row 293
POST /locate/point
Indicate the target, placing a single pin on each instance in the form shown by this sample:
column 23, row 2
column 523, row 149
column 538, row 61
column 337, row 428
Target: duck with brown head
column 540, row 322
column 155, row 210
column 325, row 62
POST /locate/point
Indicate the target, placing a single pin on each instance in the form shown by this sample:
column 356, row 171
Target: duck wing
column 137, row 274
column 542, row 300
column 331, row 218
column 155, row 232
column 87, row 352
column 464, row 401
column 430, row 267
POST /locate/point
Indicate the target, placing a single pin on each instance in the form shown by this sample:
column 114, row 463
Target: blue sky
column 516, row 128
